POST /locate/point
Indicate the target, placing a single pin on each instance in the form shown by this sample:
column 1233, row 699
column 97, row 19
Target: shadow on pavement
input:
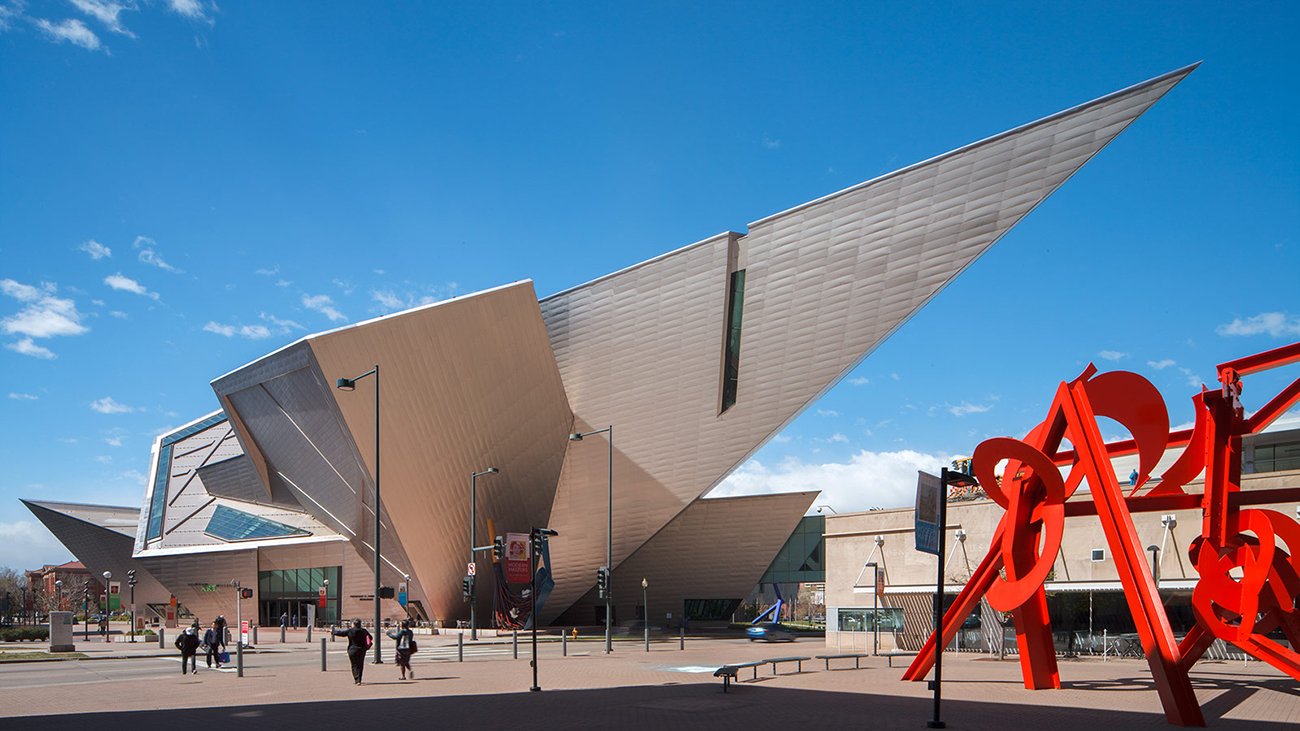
column 676, row 707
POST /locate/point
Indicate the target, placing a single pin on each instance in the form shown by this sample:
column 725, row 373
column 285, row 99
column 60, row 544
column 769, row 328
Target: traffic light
column 387, row 592
column 246, row 593
column 538, row 541
column 467, row 587
column 602, row 580
column 499, row 548
column 130, row 577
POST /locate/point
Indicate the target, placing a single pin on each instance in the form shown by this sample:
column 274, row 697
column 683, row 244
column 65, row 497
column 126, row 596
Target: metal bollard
column 309, row 633
column 516, row 644
column 282, row 628
column 647, row 636
column 564, row 644
column 162, row 632
column 460, row 647
column 322, row 654
column 239, row 660
column 254, row 635
column 681, row 637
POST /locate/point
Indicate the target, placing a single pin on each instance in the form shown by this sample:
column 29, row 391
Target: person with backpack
column 406, row 647
column 188, row 643
column 212, row 645
column 359, row 641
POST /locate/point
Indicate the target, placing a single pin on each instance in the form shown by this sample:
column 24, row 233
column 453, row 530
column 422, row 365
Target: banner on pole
column 517, row 558
column 929, row 491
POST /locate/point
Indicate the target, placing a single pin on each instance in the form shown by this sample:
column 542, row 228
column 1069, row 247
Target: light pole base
column 535, row 688
column 935, row 724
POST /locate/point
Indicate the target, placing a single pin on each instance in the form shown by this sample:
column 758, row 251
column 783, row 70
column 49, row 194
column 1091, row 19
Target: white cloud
column 283, row 283
column 859, row 381
column 252, row 332
column 96, row 250
column 107, row 405
column 323, row 304
column 771, row 144
column 27, row 347
column 386, row 299
column 967, row 408
column 380, row 272
column 827, row 412
column 837, row 437
column 285, row 326
column 113, row 441
column 23, row 292
column 71, row 30
column 22, row 396
column 345, row 286
column 868, row 479
column 119, row 314
column 268, row 272
column 149, row 254
column 45, row 316
column 105, row 12
column 1192, row 380
column 8, row 13
column 895, row 376
column 135, row 476
column 1276, row 324
column 1160, row 365
column 192, row 9
column 28, row 543
column 1112, row 355
column 104, row 459
column 126, row 284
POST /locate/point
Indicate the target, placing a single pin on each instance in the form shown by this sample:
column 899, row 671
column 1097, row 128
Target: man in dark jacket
column 358, row 642
column 219, row 626
column 188, row 643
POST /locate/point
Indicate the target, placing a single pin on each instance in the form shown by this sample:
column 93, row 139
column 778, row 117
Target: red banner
column 517, row 558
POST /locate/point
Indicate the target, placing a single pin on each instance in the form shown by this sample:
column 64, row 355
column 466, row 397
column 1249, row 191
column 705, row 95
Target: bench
column 775, row 660
column 857, row 658
column 727, row 673
column 892, row 655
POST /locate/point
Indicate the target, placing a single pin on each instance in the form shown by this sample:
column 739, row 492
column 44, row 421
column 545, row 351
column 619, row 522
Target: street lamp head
column 108, row 575
column 644, row 584
column 492, row 470
column 327, row 582
column 575, row 437
column 346, row 384
column 59, row 582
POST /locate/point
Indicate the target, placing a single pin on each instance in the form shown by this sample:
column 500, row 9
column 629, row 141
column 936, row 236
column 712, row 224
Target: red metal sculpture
column 1034, row 495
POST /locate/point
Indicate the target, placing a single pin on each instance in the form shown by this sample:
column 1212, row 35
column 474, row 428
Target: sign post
column 931, row 530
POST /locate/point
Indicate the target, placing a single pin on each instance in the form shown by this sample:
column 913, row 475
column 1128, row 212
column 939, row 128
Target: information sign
column 929, row 491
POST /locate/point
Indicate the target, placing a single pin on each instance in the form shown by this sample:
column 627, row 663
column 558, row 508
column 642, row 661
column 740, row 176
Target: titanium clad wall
column 102, row 548
column 180, row 572
column 292, row 420
column 825, row 284
column 714, row 549
column 236, row 479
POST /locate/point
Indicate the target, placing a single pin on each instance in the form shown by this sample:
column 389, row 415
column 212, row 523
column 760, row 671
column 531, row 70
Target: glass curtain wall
column 289, row 592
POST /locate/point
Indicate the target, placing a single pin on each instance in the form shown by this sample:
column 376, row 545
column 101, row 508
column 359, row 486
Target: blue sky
column 186, row 186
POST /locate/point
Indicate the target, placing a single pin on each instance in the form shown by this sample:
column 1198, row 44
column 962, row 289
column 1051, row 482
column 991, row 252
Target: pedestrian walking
column 284, row 620
column 219, row 624
column 212, row 646
column 295, row 620
column 405, row 638
column 188, row 643
column 359, row 641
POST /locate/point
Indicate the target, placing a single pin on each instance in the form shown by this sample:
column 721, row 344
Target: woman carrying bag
column 406, row 647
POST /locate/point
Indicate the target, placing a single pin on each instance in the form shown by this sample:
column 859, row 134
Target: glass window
column 731, row 355
column 229, row 524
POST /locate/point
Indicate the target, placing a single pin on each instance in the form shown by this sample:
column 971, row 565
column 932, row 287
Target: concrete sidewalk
column 664, row 688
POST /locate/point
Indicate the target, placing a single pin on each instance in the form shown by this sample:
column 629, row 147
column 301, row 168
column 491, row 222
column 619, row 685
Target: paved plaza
column 123, row 686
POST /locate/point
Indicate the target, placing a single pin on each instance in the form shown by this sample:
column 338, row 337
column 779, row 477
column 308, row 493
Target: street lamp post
column 473, row 578
column 645, row 611
column 875, row 608
column 350, row 384
column 85, row 609
column 609, row 535
column 325, row 589
column 130, row 581
column 108, row 597
column 946, row 477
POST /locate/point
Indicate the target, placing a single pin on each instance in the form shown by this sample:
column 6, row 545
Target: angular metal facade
column 695, row 358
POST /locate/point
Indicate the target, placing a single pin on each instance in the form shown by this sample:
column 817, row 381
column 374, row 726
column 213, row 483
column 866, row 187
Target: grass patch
column 20, row 656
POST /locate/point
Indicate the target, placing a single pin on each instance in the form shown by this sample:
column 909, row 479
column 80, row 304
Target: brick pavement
column 637, row 690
